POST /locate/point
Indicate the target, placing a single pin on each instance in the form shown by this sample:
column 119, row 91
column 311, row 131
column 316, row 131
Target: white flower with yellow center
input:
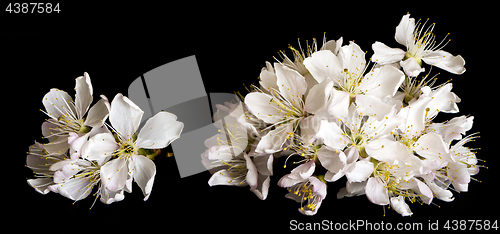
column 284, row 108
column 68, row 116
column 127, row 148
column 372, row 93
column 420, row 46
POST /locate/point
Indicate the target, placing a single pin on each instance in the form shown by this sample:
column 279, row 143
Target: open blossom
column 420, row 46
column 284, row 108
column 231, row 156
column 68, row 116
column 303, row 187
column 335, row 116
column 126, row 144
column 372, row 92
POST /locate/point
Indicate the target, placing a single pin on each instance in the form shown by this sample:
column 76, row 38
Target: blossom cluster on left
column 83, row 152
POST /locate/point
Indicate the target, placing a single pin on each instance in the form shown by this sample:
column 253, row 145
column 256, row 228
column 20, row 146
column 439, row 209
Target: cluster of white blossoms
column 331, row 113
column 83, row 151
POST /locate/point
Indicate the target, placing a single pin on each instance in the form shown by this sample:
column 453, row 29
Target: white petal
column 332, row 135
column 404, row 31
column 260, row 105
column 98, row 113
column 159, row 131
column 292, row 85
column 411, row 67
column 431, row 146
column 144, row 174
column 445, row 61
column 268, row 77
column 387, row 150
column 386, row 55
column 108, row 197
column 263, row 187
column 353, row 59
column 264, row 164
column 252, row 174
column 333, row 161
column 338, row 106
column 443, row 100
column 376, row 191
column 57, row 104
column 317, row 97
column 440, row 193
column 400, row 206
column 125, row 116
column 273, row 141
column 382, row 82
column 75, row 188
column 83, row 97
column 297, row 175
column 114, row 174
column 324, row 65
column 359, row 171
column 99, row 147
column 415, row 117
column 372, row 106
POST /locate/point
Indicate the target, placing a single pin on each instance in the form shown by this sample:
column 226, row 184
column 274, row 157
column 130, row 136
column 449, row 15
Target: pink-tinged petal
column 319, row 187
column 159, row 131
column 445, row 61
column 404, row 31
column 144, row 174
column 376, row 191
column 125, row 116
column 386, row 55
column 114, row 174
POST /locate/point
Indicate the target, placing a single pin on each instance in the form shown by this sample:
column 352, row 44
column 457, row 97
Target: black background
column 117, row 43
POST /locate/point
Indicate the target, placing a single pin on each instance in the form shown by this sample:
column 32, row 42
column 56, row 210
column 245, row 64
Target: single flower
column 127, row 146
column 421, row 45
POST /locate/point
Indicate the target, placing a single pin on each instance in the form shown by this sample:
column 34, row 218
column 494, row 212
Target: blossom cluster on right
column 331, row 113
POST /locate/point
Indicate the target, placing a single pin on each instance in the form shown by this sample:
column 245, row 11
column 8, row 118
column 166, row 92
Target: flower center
column 127, row 149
